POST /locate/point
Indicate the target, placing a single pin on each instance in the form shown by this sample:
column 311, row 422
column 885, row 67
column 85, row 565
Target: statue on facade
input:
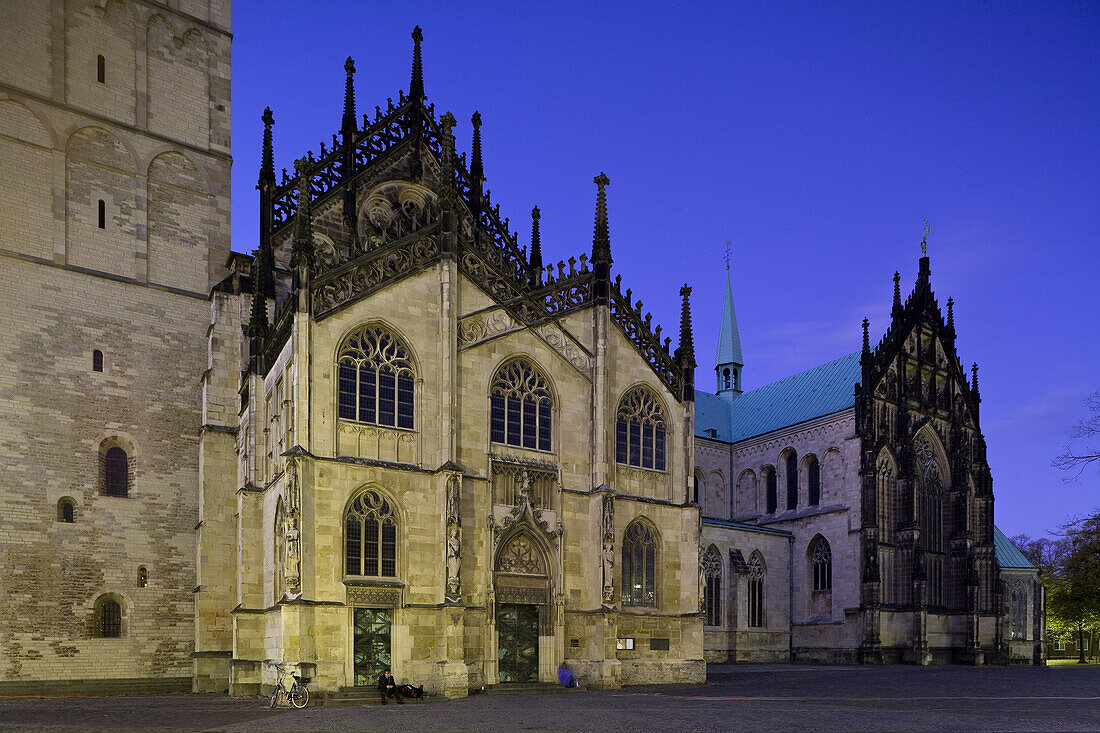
column 608, row 569
column 292, row 564
column 454, row 559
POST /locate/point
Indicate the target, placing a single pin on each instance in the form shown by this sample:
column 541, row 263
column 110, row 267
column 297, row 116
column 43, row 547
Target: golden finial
column 924, row 240
column 727, row 255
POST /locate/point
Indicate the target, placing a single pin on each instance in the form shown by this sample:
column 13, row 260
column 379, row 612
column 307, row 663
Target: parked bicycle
column 296, row 693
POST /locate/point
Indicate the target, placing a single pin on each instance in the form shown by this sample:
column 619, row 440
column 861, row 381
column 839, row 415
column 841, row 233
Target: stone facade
column 113, row 226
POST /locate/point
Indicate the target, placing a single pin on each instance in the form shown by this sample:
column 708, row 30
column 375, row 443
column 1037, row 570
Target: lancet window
column 771, row 490
column 639, row 566
column 792, row 480
column 520, row 407
column 376, row 379
column 813, row 481
column 370, row 536
column 756, row 590
column 930, row 488
column 712, row 586
column 640, row 431
column 821, row 562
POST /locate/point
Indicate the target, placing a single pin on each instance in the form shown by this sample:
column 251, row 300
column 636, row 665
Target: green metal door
column 372, row 645
column 518, row 642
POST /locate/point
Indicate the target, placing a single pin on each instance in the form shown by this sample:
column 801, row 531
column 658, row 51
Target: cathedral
column 393, row 436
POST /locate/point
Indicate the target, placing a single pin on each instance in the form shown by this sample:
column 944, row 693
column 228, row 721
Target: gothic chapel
column 387, row 456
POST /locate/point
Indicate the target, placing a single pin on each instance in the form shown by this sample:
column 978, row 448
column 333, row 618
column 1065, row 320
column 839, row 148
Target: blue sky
column 816, row 137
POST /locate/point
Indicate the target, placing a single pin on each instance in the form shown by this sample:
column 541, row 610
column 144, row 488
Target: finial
column 536, row 244
column 727, row 255
column 349, row 98
column 866, row 337
column 896, row 310
column 924, row 240
column 601, row 239
column 686, row 350
column 476, row 169
column 267, row 156
column 416, row 87
column 951, row 314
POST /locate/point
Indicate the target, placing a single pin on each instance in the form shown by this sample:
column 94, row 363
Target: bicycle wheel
column 274, row 697
column 299, row 696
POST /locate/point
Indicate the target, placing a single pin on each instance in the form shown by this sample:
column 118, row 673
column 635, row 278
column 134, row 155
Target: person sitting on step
column 387, row 687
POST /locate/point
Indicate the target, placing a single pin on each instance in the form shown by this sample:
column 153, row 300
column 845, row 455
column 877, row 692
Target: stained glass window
column 640, row 431
column 520, row 407
column 375, row 379
column 370, row 536
column 639, row 566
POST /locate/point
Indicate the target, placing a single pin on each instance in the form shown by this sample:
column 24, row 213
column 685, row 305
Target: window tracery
column 639, row 566
column 370, row 536
column 821, row 559
column 375, row 379
column 756, row 590
column 520, row 407
column 520, row 556
column 712, row 588
column 640, row 431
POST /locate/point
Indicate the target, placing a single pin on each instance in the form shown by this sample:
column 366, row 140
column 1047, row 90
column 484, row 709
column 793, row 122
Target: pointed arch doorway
column 522, row 589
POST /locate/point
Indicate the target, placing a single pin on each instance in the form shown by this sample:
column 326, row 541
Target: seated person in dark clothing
column 387, row 687
column 411, row 692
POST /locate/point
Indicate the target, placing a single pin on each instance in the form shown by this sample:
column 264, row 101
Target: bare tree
column 1081, row 456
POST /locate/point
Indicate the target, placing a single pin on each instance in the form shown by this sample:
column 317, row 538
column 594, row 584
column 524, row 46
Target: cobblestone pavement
column 757, row 697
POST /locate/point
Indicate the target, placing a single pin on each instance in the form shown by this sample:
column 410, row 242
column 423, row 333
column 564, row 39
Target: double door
column 518, row 642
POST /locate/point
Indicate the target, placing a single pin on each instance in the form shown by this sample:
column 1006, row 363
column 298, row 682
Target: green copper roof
column 814, row 393
column 1008, row 555
column 729, row 339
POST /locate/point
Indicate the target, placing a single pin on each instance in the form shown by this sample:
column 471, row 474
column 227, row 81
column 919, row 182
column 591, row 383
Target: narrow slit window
column 101, row 69
column 143, row 577
column 97, row 361
column 102, row 214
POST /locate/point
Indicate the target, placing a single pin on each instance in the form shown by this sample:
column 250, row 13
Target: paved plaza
column 757, row 697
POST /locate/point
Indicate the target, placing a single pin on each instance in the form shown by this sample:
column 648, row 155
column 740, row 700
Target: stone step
column 524, row 688
column 356, row 696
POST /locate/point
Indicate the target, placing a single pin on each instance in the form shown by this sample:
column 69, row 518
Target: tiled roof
column 1008, row 555
column 814, row 393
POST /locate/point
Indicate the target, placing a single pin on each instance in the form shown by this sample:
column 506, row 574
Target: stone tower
column 114, row 226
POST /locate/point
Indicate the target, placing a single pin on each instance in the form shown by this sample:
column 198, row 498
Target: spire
column 348, row 123
column 267, row 156
column 685, row 353
column 896, row 310
column 476, row 169
column 536, row 250
column 601, row 238
column 302, row 248
column 416, row 86
column 728, row 359
column 866, row 338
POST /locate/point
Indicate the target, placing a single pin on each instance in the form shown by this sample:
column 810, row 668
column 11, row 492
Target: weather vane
column 727, row 255
column 924, row 240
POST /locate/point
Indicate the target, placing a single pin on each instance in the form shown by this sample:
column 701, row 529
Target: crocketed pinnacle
column 974, row 378
column 476, row 169
column 896, row 310
column 536, row 242
column 601, row 237
column 302, row 249
column 416, row 86
column 951, row 315
column 686, row 350
column 866, row 337
column 257, row 320
column 348, row 122
column 267, row 155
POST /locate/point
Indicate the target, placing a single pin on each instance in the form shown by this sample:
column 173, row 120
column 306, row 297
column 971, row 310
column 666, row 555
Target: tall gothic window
column 771, row 490
column 370, row 536
column 1018, row 611
column 520, row 407
column 640, row 431
column 639, row 566
column 712, row 587
column 792, row 480
column 376, row 379
column 821, row 561
column 930, row 491
column 813, row 480
column 756, row 591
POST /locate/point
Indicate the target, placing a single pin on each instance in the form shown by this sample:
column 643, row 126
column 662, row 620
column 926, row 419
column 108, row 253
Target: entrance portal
column 518, row 642
column 371, row 644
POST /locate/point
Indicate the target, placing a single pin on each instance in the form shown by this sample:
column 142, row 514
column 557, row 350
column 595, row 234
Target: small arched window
column 370, row 536
column 520, row 407
column 821, row 561
column 813, row 478
column 725, row 379
column 143, row 577
column 97, row 361
column 712, row 587
column 640, row 431
column 792, row 480
column 771, row 498
column 375, row 379
column 109, row 619
column 101, row 69
column 66, row 510
column 756, row 590
column 102, row 214
column 639, row 566
column 116, row 465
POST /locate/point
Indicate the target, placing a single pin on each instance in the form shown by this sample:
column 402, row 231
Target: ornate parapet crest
column 569, row 349
column 373, row 270
column 479, row 327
